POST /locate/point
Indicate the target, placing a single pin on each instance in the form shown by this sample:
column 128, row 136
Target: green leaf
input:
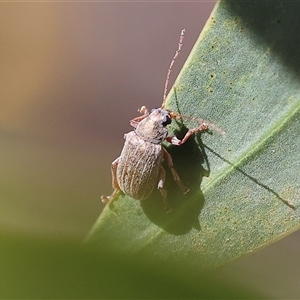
column 243, row 76
column 33, row 268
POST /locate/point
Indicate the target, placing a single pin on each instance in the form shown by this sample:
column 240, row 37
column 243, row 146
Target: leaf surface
column 243, row 76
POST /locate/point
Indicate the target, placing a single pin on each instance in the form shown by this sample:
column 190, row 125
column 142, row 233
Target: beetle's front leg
column 169, row 160
column 116, row 193
column 175, row 141
column 145, row 113
column 160, row 186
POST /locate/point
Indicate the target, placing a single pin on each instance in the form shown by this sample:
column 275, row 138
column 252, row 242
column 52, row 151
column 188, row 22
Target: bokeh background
column 72, row 75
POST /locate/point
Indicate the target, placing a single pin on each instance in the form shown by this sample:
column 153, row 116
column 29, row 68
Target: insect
column 138, row 169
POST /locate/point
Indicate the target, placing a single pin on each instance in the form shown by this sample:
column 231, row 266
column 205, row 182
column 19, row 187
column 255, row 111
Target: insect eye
column 167, row 120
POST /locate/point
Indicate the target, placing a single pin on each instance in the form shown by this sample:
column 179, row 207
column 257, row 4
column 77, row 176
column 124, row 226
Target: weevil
column 138, row 169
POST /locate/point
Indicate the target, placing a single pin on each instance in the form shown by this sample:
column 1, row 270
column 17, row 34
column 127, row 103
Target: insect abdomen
column 139, row 166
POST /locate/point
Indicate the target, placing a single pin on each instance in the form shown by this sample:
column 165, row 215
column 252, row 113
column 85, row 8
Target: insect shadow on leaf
column 188, row 160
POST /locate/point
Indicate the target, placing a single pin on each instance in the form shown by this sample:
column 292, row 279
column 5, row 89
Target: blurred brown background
column 72, row 76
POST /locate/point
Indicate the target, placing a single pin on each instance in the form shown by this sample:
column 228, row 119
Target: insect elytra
column 138, row 169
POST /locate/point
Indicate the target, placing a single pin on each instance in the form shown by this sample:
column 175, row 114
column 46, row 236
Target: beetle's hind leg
column 176, row 177
column 117, row 191
column 113, row 197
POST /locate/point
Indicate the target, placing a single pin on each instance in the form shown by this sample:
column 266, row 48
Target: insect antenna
column 171, row 66
column 180, row 116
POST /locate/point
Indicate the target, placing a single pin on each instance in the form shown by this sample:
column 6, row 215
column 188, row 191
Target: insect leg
column 113, row 168
column 115, row 185
column 169, row 161
column 145, row 113
column 175, row 141
column 160, row 186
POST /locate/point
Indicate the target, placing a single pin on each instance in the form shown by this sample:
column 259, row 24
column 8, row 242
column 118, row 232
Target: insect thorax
column 153, row 128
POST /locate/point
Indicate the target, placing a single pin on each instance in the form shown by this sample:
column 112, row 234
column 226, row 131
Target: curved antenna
column 171, row 66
